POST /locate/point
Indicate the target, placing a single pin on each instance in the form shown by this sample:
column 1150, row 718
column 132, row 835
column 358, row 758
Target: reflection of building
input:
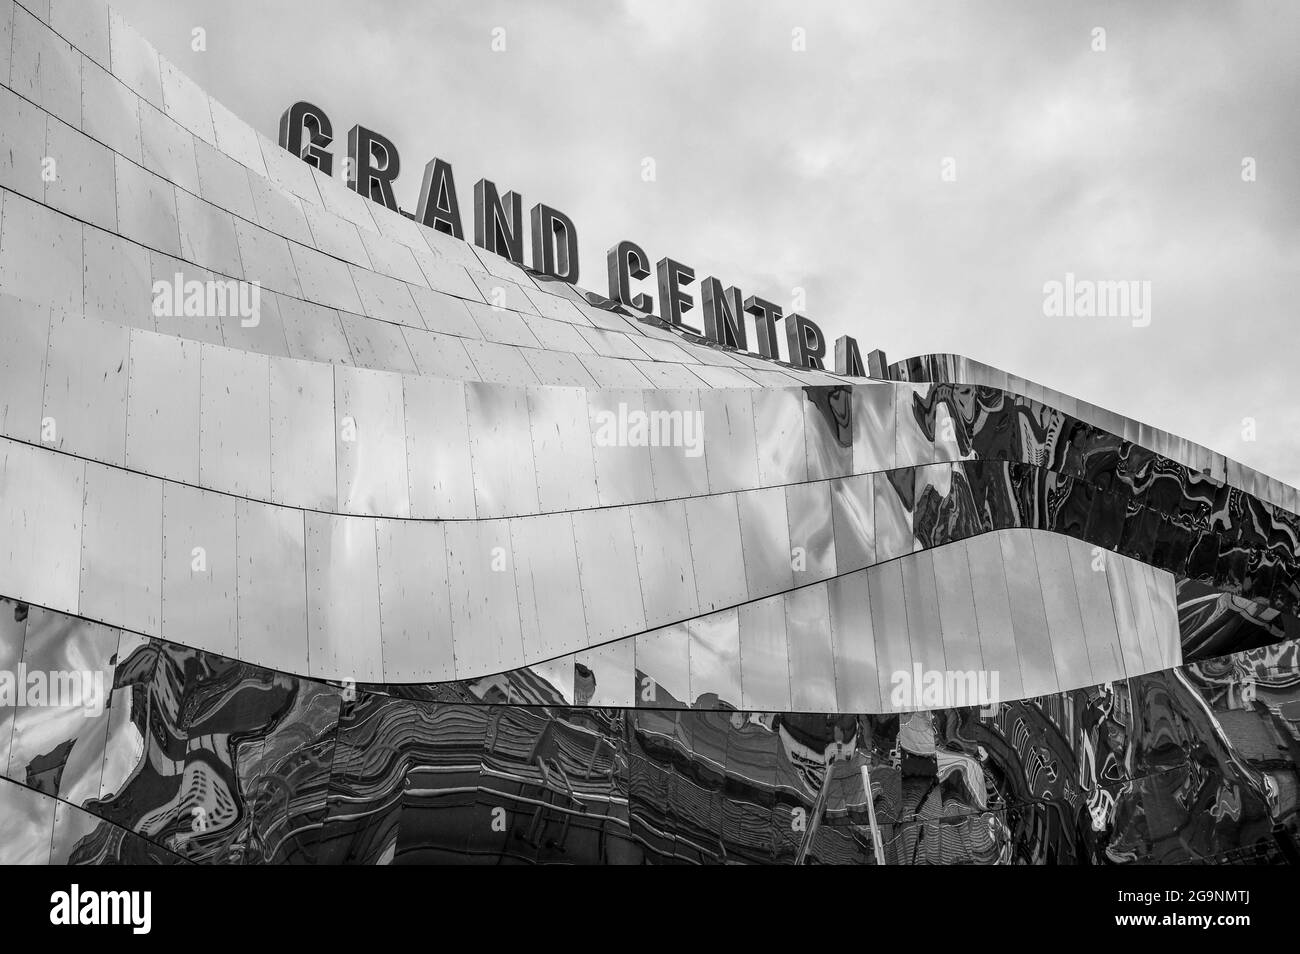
column 365, row 587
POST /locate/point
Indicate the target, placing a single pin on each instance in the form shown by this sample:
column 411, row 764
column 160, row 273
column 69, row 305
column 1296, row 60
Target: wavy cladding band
column 334, row 567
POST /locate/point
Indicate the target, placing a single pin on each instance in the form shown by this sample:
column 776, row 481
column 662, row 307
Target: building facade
column 331, row 538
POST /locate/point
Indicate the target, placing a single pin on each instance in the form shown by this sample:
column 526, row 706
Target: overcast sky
column 821, row 168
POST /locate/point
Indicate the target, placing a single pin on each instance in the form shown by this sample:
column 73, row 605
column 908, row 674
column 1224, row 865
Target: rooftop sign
column 373, row 164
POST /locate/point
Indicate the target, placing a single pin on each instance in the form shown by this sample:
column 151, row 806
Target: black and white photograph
column 639, row 433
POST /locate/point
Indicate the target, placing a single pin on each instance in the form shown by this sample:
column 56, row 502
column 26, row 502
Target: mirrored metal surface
column 41, row 489
column 715, row 660
column 993, row 613
column 272, row 586
column 162, row 434
column 853, row 522
column 874, row 427
column 765, row 539
column 663, row 557
column 561, row 439
column 621, row 442
column 551, row 615
column 812, row 666
column 484, row 603
column 199, row 561
column 1064, row 614
column 892, row 514
column 121, row 549
column 857, row 682
column 924, row 626
column 779, row 423
column 85, row 388
column 679, row 466
column 414, row 603
column 370, row 442
column 1028, row 618
column 730, row 445
column 663, row 669
column 716, row 553
column 301, row 406
column 437, row 448
column 764, row 655
column 234, row 416
column 606, row 675
column 812, row 538
column 828, row 416
column 505, row 477
column 956, row 606
column 611, row 587
column 343, row 598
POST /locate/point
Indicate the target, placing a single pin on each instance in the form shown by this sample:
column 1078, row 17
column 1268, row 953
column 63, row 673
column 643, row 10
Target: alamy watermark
column 1086, row 298
column 56, row 689
column 943, row 689
column 632, row 427
column 179, row 298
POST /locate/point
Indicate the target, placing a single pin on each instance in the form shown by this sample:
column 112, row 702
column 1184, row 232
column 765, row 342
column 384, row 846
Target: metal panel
column 272, row 586
column 162, row 433
column 208, row 235
column 679, row 466
column 83, row 185
column 58, row 741
column 892, row 516
column 1028, row 618
column 370, row 442
column 500, row 364
column 663, row 556
column 812, row 660
column 730, row 445
column 1144, row 618
column 313, row 333
column 764, row 656
column 1101, row 637
column 343, row 598
column 620, row 439
column 874, row 427
column 611, row 588
column 199, row 560
column 924, row 626
column 1064, row 615
column 716, row 553
column 13, row 632
column 484, row 605
column 26, row 825
column 24, row 335
column 325, row 280
column 606, row 675
column 1164, row 607
column 956, row 603
column 828, row 423
column 85, row 388
column 551, row 614
column 117, row 280
column 376, row 344
column 889, row 626
column 765, row 538
column 857, row 683
column 301, row 407
column 993, row 613
column 440, row 356
column 235, row 415
column 852, row 514
column 386, row 299
column 663, row 669
column 505, row 478
column 561, row 439
column 146, row 208
column 1130, row 638
column 414, row 603
column 437, row 448
column 715, row 660
column 812, row 539
column 912, row 444
column 779, row 427
column 166, row 148
column 40, row 255
column 121, row 549
column 40, row 522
